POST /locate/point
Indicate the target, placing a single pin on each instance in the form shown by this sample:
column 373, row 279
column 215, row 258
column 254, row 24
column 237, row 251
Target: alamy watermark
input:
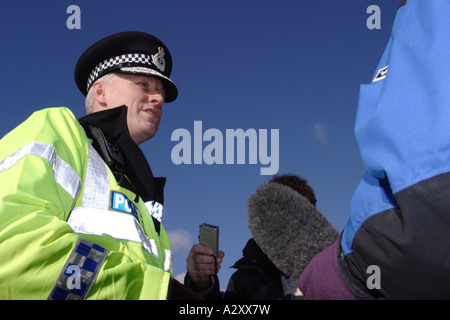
column 74, row 20
column 221, row 149
column 374, row 280
column 74, row 280
column 374, row 21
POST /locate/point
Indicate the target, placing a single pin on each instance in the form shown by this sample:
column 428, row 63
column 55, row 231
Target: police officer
column 80, row 208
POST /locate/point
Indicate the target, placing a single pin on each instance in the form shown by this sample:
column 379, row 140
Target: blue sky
column 290, row 65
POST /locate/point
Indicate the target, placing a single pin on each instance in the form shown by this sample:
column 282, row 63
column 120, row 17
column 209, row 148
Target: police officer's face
column 144, row 96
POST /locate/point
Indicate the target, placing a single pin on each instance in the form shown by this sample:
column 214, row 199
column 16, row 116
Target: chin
column 149, row 136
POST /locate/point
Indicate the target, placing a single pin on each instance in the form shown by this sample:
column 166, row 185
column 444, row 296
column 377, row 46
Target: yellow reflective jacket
column 55, row 189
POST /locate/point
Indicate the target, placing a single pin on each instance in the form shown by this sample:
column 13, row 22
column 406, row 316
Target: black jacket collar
column 255, row 258
column 113, row 124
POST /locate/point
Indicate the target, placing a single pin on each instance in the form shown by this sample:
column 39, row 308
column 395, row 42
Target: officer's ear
column 99, row 93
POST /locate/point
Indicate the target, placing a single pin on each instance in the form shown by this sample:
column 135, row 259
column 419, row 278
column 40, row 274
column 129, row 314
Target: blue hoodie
column 400, row 212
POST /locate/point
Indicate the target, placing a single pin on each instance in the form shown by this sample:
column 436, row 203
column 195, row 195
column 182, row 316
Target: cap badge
column 158, row 59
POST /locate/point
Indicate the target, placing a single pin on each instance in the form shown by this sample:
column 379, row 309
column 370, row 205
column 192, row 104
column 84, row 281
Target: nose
column 157, row 99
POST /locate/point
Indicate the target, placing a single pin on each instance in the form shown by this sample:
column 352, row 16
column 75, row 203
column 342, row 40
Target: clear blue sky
column 291, row 65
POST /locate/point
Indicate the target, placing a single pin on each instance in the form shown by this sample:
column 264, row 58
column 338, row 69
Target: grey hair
column 106, row 79
column 287, row 227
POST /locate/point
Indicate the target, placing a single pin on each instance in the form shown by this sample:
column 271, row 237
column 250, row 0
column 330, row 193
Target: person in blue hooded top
column 396, row 243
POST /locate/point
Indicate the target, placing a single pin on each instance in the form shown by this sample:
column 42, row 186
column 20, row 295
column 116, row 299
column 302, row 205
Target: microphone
column 287, row 227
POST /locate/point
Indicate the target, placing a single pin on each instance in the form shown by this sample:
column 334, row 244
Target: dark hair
column 298, row 184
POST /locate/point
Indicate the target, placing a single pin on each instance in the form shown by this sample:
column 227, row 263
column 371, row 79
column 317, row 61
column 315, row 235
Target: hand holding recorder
column 204, row 259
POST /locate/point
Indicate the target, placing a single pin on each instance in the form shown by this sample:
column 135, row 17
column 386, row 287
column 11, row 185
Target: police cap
column 130, row 52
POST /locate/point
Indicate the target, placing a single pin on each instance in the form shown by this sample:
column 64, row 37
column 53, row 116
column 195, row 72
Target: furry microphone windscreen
column 287, row 227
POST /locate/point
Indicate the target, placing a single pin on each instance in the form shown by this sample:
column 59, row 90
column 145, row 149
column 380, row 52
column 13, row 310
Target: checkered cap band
column 115, row 62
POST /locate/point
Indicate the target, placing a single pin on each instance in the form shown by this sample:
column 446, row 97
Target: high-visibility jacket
column 68, row 230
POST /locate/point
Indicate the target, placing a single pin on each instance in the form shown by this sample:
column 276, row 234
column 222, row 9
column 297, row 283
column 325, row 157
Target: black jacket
column 256, row 278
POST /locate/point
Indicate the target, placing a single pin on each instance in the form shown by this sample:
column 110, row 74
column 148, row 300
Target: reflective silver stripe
column 96, row 183
column 168, row 262
column 64, row 174
column 118, row 225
